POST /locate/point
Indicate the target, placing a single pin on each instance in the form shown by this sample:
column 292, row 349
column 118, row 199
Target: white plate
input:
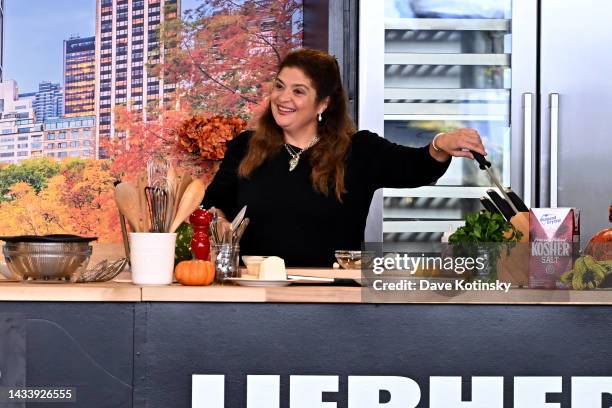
column 259, row 282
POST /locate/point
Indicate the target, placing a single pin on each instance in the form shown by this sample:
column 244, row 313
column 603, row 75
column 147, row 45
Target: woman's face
column 293, row 101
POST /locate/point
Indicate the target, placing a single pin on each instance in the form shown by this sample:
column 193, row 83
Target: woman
column 307, row 176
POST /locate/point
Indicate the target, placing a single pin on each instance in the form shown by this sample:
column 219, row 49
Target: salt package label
column 553, row 235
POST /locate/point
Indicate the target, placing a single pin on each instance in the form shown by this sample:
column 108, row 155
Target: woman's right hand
column 459, row 142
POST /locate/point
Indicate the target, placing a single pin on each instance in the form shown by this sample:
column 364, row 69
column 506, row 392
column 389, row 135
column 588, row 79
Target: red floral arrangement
column 207, row 136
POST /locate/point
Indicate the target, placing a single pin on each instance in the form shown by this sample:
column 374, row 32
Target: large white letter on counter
column 531, row 391
column 587, row 391
column 207, row 391
column 364, row 392
column 445, row 392
column 305, row 391
column 263, row 391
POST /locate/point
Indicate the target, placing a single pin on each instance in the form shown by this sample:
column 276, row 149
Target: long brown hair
column 335, row 130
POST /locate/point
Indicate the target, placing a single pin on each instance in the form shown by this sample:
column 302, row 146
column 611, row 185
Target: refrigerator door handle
column 528, row 139
column 554, row 148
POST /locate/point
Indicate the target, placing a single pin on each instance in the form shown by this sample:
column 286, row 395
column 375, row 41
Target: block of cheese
column 272, row 268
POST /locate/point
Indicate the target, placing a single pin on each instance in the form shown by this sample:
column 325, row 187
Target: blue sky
column 34, row 31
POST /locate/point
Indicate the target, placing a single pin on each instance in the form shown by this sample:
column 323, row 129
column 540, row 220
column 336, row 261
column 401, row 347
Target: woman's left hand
column 459, row 142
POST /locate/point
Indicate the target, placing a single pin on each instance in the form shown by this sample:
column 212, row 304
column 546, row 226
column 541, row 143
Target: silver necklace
column 295, row 156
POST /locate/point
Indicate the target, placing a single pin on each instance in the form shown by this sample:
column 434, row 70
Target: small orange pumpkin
column 196, row 272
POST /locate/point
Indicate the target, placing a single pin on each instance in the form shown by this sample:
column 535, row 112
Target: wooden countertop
column 69, row 292
column 124, row 291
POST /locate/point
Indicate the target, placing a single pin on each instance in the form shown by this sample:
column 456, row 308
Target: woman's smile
column 283, row 110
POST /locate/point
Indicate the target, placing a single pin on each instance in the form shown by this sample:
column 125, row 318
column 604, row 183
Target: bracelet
column 433, row 142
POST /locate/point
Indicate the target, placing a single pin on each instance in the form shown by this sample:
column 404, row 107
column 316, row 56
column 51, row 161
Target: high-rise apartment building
column 79, row 76
column 20, row 137
column 70, row 137
column 127, row 33
column 48, row 101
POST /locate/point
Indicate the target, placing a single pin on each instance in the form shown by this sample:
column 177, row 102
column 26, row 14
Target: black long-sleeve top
column 288, row 218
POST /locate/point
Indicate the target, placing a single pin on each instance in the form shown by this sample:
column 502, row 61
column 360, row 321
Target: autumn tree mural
column 226, row 52
column 221, row 56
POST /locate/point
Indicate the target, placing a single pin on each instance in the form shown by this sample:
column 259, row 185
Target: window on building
column 22, row 145
column 10, row 154
column 37, row 145
column 22, row 154
column 7, row 131
column 50, row 146
column 87, row 133
column 86, row 142
column 62, row 154
column 50, row 136
column 74, row 144
column 61, row 135
column 62, row 145
column 24, row 130
column 7, row 147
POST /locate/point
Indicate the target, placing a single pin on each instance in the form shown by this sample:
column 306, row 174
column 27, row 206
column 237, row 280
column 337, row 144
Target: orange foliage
column 207, row 137
column 229, row 51
column 78, row 200
column 144, row 139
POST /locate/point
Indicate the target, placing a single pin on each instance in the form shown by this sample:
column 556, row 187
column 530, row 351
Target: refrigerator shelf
column 399, row 108
column 447, row 24
column 400, row 214
column 433, row 94
column 500, row 118
column 421, row 226
column 437, row 191
column 401, row 58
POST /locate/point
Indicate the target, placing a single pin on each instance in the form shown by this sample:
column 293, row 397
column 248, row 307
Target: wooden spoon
column 171, row 186
column 185, row 180
column 126, row 198
column 190, row 200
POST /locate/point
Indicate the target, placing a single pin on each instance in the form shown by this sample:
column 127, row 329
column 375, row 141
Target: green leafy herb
column 480, row 234
column 485, row 227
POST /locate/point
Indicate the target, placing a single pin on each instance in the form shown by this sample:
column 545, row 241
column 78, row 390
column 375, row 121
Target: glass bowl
column 349, row 259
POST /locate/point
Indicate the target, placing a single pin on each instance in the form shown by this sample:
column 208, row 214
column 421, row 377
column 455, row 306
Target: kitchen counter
column 127, row 346
column 124, row 291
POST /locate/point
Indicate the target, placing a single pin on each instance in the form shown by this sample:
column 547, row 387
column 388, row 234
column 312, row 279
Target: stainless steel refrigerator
column 533, row 77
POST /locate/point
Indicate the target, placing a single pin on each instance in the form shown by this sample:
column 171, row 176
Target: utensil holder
column 225, row 257
column 152, row 257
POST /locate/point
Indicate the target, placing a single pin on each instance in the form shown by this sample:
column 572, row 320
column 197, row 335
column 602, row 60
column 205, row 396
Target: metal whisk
column 158, row 200
column 157, row 171
column 160, row 193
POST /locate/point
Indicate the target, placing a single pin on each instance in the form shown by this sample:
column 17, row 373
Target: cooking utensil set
column 224, row 232
column 161, row 199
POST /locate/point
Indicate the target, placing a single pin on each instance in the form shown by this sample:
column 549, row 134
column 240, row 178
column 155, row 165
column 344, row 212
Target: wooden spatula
column 183, row 182
column 126, row 198
column 190, row 200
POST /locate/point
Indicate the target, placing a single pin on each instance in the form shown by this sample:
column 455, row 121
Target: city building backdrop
column 126, row 89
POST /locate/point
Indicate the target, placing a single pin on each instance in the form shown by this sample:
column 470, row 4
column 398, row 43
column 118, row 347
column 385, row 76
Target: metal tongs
column 486, row 165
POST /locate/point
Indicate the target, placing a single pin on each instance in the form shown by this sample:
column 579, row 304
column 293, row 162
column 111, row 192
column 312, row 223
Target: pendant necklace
column 295, row 155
